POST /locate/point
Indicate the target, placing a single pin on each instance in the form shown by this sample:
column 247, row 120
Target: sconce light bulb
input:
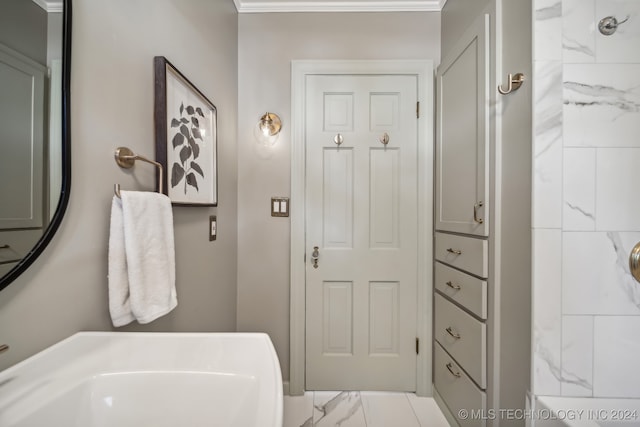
column 268, row 129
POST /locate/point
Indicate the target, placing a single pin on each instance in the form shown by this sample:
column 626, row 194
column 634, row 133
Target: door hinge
column 417, row 345
column 418, row 109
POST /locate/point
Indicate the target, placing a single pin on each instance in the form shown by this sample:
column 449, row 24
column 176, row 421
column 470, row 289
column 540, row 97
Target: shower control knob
column 609, row 25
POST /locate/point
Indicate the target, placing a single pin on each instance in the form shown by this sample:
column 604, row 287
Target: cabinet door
column 21, row 136
column 462, row 149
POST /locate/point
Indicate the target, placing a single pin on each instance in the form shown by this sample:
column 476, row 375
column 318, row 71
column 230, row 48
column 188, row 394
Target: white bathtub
column 104, row 379
column 585, row 412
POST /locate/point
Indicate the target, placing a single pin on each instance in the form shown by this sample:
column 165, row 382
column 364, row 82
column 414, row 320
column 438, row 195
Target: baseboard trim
column 445, row 410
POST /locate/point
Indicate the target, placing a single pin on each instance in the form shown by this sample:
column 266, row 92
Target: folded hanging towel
column 141, row 258
column 119, row 306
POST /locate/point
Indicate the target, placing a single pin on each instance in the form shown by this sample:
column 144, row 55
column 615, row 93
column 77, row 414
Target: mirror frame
column 66, row 156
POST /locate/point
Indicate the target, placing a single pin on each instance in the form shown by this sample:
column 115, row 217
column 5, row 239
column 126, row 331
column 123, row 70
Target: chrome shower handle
column 634, row 262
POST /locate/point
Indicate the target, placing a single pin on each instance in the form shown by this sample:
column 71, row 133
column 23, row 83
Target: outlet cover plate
column 280, row 206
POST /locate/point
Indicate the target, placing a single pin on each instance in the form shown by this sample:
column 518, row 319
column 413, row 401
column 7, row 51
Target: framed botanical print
column 186, row 138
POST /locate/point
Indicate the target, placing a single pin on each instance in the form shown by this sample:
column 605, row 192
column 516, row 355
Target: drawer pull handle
column 455, row 374
column 453, row 334
column 475, row 212
column 4, row 246
column 452, row 286
column 454, row 251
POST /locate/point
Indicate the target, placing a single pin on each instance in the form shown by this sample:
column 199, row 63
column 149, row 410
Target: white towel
column 119, row 306
column 141, row 258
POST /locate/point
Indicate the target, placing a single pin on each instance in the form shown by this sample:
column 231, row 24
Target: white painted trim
column 453, row 422
column 424, row 70
column 51, row 6
column 248, row 6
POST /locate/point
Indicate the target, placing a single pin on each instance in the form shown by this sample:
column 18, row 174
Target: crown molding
column 249, row 6
column 52, row 5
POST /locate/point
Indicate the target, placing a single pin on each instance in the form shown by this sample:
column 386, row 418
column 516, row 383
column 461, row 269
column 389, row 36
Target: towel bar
column 125, row 158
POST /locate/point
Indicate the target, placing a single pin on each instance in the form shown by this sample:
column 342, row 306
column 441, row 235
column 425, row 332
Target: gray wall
column 267, row 44
column 457, row 15
column 112, row 104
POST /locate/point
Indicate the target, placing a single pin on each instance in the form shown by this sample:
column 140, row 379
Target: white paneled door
column 361, row 232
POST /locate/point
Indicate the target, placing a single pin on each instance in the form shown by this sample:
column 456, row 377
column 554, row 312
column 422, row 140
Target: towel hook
column 125, row 158
column 515, row 81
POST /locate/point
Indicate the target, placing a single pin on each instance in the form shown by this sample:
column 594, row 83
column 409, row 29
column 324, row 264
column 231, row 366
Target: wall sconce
column 268, row 129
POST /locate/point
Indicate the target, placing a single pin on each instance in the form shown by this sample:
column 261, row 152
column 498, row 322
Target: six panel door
column 361, row 215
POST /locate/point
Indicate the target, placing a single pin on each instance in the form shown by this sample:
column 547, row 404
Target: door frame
column 424, row 71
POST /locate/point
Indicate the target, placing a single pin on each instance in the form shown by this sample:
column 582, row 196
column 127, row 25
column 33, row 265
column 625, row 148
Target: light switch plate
column 213, row 228
column 280, row 206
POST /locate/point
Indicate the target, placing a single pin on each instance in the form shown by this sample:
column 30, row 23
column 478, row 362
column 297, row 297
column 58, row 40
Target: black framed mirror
column 35, row 142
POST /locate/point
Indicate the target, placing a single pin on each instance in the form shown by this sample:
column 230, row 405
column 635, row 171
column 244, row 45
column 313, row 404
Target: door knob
column 384, row 139
column 314, row 256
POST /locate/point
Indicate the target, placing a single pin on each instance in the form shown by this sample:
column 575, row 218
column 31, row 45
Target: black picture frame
column 186, row 138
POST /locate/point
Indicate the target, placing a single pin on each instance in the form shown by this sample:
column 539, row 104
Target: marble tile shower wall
column 586, row 200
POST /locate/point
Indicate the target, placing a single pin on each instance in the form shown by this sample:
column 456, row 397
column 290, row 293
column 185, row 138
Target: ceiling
column 265, row 6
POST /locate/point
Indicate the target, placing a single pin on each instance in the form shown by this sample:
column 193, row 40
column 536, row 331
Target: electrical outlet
column 280, row 206
column 213, row 228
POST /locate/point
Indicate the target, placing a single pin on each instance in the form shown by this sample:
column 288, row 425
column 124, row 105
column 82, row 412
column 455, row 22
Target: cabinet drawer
column 456, row 389
column 464, row 289
column 464, row 338
column 466, row 253
column 15, row 245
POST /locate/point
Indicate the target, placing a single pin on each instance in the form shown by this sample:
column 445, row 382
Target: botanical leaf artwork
column 185, row 143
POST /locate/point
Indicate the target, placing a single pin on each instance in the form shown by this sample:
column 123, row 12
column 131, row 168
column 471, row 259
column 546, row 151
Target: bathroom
column 240, row 281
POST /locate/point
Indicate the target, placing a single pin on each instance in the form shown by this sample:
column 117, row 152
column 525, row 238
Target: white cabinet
column 22, row 123
column 462, row 288
column 482, row 244
column 461, row 247
column 462, row 252
column 462, row 133
column 463, row 337
column 456, row 388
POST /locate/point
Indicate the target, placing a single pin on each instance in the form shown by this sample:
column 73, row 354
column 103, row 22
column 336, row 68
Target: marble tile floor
column 361, row 409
